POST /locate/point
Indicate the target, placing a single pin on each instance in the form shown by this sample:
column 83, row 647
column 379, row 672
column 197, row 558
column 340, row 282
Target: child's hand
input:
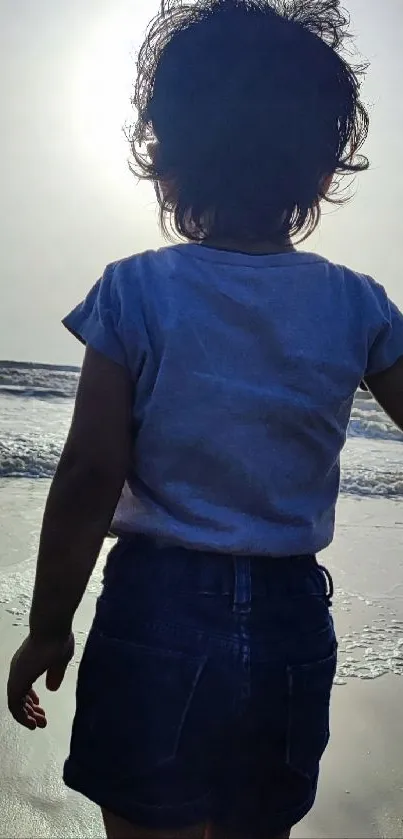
column 32, row 660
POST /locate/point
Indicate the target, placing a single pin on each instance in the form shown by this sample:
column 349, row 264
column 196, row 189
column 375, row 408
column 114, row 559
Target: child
column 217, row 387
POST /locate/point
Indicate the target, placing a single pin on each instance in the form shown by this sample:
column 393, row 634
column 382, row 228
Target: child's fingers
column 34, row 696
column 41, row 721
column 33, row 717
column 34, row 713
column 27, row 717
column 33, row 701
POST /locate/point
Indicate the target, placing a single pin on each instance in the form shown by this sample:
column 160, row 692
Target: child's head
column 252, row 110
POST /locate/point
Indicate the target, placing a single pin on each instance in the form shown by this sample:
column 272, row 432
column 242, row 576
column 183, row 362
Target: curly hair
column 253, row 108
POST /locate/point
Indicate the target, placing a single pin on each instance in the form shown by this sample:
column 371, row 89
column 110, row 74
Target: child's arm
column 80, row 506
column 83, row 495
column 387, row 388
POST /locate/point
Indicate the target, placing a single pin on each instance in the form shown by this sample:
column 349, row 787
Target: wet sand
column 361, row 789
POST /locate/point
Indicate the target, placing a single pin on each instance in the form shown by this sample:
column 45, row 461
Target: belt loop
column 329, row 584
column 242, row 585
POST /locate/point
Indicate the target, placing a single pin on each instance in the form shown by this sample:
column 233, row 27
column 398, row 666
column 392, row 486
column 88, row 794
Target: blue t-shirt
column 245, row 370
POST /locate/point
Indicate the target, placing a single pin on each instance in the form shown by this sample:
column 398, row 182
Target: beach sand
column 361, row 788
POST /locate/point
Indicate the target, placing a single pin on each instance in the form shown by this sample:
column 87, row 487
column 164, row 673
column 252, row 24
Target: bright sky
column 68, row 204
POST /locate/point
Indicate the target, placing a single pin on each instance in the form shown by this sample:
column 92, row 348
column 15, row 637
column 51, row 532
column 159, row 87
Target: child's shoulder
column 126, row 274
column 140, row 283
column 364, row 300
column 356, row 283
column 140, row 272
column 148, row 260
column 349, row 275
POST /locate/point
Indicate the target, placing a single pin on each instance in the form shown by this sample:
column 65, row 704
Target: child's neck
column 253, row 248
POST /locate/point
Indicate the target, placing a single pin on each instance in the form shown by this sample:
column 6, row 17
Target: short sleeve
column 385, row 345
column 96, row 321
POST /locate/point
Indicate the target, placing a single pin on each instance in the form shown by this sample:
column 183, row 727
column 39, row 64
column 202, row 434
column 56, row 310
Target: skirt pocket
column 309, row 691
column 132, row 704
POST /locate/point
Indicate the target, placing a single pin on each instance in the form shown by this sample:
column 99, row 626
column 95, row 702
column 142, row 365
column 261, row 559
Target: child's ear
column 167, row 186
column 152, row 150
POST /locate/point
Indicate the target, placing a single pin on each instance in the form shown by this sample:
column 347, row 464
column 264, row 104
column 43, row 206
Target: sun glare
column 103, row 76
